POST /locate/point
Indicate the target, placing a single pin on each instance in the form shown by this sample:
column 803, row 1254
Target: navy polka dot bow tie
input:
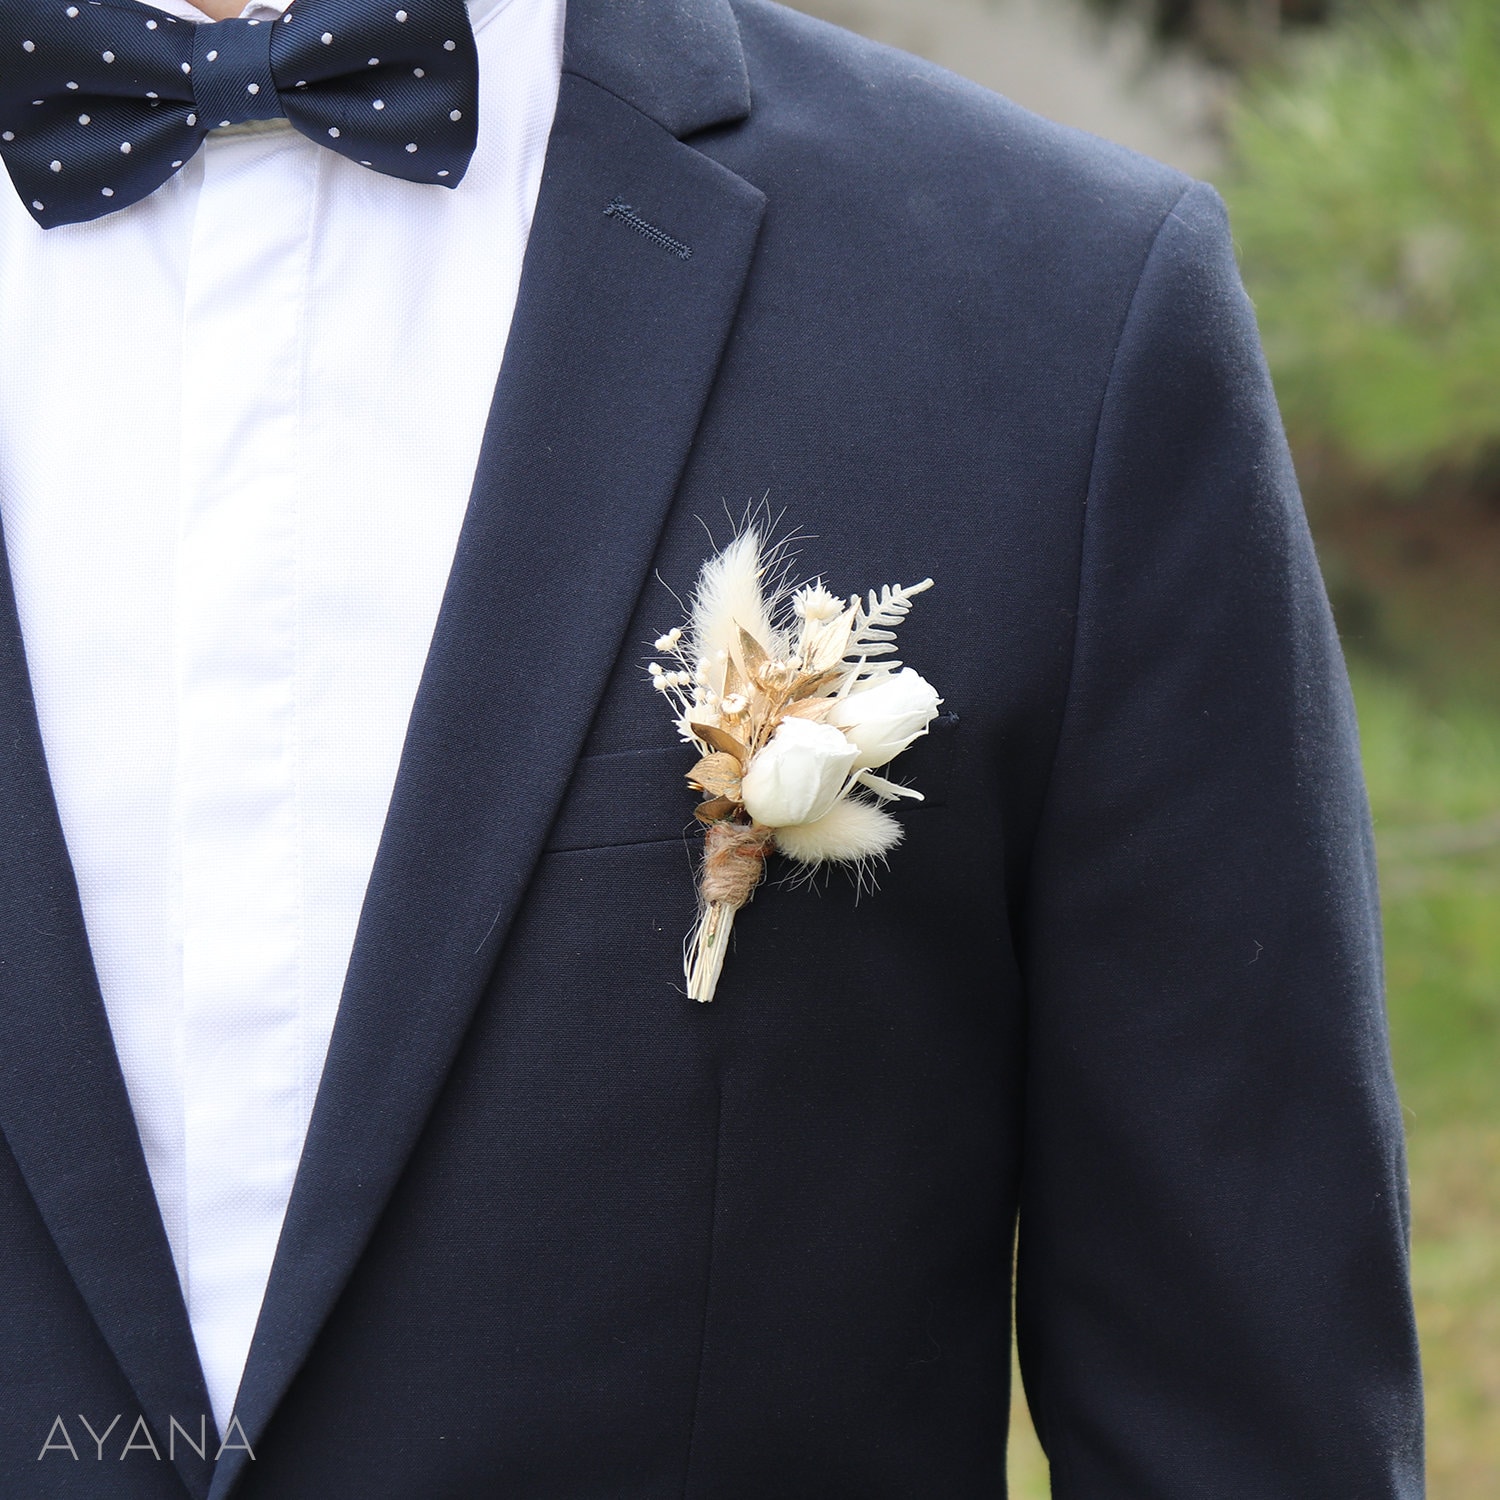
column 101, row 101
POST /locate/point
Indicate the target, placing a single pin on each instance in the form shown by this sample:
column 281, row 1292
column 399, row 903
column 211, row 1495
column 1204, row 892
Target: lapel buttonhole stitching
column 619, row 209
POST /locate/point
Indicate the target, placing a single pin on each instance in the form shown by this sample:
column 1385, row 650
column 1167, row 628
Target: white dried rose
column 885, row 715
column 797, row 775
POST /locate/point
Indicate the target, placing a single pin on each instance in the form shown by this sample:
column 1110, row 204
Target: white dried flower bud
column 885, row 715
column 815, row 603
column 798, row 774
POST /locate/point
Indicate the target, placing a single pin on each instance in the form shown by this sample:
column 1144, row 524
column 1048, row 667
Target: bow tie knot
column 101, row 101
column 232, row 77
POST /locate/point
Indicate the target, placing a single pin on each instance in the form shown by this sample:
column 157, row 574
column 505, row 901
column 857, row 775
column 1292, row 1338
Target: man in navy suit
column 556, row 1230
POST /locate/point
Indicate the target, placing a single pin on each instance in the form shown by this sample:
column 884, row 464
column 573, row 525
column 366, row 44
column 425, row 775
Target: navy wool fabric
column 559, row 1231
column 101, row 101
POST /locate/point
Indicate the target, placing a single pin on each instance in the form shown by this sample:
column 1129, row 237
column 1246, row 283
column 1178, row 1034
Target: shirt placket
column 237, row 686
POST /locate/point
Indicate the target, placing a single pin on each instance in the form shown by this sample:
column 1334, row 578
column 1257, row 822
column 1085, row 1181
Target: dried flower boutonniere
column 793, row 700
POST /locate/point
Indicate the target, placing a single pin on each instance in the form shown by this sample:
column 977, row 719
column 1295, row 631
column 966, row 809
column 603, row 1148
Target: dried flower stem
column 707, row 945
column 734, row 859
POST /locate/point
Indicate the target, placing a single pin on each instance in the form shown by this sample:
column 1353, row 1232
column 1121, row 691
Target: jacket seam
column 1069, row 692
column 684, row 838
column 708, row 1287
column 1057, row 1443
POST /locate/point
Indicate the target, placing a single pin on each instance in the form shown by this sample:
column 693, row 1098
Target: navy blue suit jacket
column 560, row 1232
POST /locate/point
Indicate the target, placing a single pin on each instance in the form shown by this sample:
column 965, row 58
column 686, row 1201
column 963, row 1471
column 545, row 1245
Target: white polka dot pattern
column 392, row 89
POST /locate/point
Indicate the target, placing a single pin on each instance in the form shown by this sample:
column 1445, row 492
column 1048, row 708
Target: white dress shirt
column 239, row 423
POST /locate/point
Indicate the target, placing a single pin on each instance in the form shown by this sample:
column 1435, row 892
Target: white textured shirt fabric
column 239, row 422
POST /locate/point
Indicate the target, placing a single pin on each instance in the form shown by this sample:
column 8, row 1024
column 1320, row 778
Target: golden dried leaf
column 714, row 811
column 718, row 773
column 721, row 740
column 814, row 682
column 755, row 655
column 815, row 709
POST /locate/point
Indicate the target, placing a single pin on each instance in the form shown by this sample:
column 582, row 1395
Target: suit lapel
column 616, row 339
column 63, row 1105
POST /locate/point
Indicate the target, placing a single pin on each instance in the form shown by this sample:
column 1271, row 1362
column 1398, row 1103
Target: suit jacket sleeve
column 1212, row 1289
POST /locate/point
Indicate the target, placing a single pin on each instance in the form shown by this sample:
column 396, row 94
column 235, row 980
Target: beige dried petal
column 826, row 643
column 718, row 773
column 715, row 811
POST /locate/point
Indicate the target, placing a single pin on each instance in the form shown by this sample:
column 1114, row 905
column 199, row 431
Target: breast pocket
column 642, row 796
column 628, row 797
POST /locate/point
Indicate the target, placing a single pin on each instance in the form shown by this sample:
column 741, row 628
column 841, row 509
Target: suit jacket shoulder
column 911, row 149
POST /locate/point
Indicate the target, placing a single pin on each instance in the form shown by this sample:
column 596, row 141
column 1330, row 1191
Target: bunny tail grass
column 850, row 830
column 729, row 597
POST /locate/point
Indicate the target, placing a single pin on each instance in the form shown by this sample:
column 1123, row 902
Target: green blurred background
column 1358, row 146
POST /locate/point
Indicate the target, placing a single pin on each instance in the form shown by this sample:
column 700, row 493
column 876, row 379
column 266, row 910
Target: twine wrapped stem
column 734, row 859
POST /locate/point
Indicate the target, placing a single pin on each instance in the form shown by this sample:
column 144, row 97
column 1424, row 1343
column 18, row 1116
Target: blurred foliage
column 1365, row 195
column 1434, row 774
column 1229, row 33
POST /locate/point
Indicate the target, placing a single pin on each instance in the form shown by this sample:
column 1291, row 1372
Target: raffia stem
column 706, row 948
column 734, row 859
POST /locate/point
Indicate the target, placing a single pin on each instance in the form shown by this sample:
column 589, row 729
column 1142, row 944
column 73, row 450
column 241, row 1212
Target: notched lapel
column 613, row 350
column 63, row 1106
